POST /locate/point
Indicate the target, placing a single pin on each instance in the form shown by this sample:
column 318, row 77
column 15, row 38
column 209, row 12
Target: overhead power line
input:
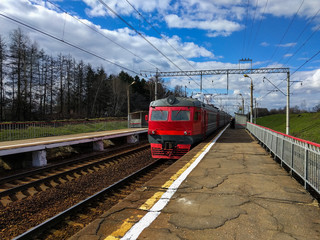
column 306, row 62
column 313, row 56
column 67, row 43
column 245, row 29
column 161, row 35
column 300, row 35
column 140, row 34
column 99, row 32
column 251, row 29
column 285, row 33
column 302, row 45
column 164, row 39
column 259, row 26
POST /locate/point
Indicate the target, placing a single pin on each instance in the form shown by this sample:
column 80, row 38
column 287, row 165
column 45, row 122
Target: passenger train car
column 177, row 123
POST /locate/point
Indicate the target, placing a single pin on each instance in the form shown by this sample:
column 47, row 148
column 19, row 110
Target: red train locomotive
column 176, row 123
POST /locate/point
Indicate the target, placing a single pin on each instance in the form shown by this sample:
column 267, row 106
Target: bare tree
column 18, row 51
column 2, row 74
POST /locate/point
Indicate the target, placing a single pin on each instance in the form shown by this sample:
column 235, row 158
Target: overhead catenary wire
column 245, row 29
column 140, row 34
column 302, row 45
column 259, row 26
column 300, row 35
column 307, row 61
column 251, row 29
column 99, row 32
column 286, row 31
column 67, row 43
column 161, row 35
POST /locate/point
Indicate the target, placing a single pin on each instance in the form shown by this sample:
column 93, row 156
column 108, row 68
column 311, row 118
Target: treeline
column 260, row 112
column 38, row 86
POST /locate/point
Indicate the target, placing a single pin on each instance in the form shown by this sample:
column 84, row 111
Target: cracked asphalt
column 236, row 192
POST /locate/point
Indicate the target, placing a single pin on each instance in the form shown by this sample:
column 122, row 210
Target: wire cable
column 301, row 33
column 259, row 26
column 305, row 42
column 67, row 43
column 251, row 29
column 307, row 61
column 95, row 30
column 140, row 34
column 245, row 29
column 161, row 35
column 285, row 33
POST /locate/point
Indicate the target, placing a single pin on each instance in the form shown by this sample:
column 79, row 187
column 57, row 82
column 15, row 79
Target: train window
column 180, row 115
column 196, row 116
column 159, row 115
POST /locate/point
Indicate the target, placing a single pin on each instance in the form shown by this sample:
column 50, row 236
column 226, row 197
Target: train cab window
column 159, row 115
column 180, row 115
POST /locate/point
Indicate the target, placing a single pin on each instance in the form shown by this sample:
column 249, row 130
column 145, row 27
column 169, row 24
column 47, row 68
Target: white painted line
column 155, row 211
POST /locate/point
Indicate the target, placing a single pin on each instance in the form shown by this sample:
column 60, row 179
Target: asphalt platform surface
column 237, row 191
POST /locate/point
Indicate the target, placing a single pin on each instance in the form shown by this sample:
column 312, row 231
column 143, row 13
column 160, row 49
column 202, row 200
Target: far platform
column 38, row 145
column 237, row 191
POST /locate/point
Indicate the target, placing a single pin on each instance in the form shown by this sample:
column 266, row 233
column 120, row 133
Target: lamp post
column 242, row 103
column 251, row 100
column 128, row 98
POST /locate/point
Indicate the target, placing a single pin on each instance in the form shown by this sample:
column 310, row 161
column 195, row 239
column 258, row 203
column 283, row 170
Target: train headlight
column 185, row 133
column 153, row 132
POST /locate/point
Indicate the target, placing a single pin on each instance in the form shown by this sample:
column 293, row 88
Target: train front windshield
column 180, row 115
column 175, row 115
column 159, row 115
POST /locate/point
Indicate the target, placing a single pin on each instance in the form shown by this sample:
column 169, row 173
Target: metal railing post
column 306, row 162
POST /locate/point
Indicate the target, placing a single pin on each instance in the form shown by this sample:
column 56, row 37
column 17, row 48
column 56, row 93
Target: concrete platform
column 39, row 145
column 237, row 191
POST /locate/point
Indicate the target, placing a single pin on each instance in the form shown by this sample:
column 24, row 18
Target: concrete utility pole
column 251, row 99
column 242, row 103
column 156, row 87
column 201, row 82
column 128, row 101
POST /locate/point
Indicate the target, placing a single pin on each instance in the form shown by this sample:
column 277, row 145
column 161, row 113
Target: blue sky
column 203, row 34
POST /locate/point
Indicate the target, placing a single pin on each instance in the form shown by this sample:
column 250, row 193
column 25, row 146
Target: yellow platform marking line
column 147, row 205
column 125, row 227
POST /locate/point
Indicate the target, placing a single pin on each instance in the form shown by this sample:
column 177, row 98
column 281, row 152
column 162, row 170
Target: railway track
column 84, row 209
column 19, row 186
column 20, row 216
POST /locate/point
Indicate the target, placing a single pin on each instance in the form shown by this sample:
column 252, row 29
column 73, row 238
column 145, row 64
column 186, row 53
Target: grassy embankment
column 304, row 125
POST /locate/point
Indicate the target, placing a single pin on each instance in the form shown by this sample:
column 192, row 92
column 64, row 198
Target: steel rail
column 55, row 166
column 13, row 190
column 59, row 217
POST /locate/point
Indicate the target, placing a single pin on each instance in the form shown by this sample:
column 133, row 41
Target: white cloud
column 287, row 55
column 95, row 8
column 218, row 27
column 285, row 45
column 287, row 8
column 70, row 30
column 221, row 17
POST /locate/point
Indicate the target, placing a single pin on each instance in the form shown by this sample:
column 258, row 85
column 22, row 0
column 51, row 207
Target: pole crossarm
column 223, row 71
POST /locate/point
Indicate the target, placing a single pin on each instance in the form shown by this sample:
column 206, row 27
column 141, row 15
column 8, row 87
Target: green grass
column 46, row 131
column 304, row 125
